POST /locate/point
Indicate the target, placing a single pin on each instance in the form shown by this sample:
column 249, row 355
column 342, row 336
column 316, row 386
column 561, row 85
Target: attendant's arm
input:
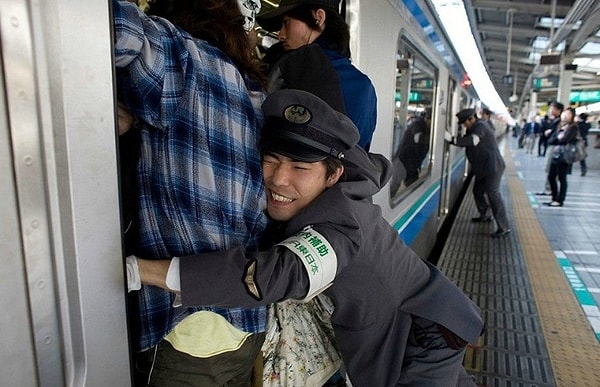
column 154, row 272
column 467, row 140
column 230, row 278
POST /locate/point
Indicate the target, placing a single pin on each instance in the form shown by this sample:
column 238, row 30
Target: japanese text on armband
column 318, row 258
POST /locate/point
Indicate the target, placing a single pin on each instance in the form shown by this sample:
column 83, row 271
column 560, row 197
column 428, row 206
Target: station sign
column 546, row 82
column 422, row 83
column 414, row 96
column 588, row 96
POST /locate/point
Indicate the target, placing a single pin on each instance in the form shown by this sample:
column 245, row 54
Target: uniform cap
column 271, row 20
column 464, row 115
column 303, row 127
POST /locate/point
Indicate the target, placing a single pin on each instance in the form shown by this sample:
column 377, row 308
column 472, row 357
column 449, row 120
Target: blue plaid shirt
column 199, row 171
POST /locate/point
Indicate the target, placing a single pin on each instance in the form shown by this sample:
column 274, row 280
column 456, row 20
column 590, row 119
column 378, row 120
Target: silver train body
column 62, row 280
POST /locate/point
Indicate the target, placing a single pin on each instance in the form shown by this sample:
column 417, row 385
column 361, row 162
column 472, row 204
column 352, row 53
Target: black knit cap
column 270, row 20
column 303, row 127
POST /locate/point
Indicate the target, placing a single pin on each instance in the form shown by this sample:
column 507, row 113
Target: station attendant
column 398, row 321
column 487, row 165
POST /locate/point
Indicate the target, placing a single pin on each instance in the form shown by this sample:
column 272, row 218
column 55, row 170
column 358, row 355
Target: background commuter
column 542, row 139
column 196, row 98
column 397, row 320
column 556, row 109
column 566, row 133
column 531, row 132
column 487, row 165
column 584, row 128
column 304, row 22
column 486, row 115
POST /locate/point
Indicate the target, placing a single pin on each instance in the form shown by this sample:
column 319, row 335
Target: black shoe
column 544, row 193
column 500, row 233
column 481, row 219
column 583, row 173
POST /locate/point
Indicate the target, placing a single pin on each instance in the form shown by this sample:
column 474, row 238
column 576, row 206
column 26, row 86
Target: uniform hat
column 305, row 128
column 271, row 20
column 464, row 115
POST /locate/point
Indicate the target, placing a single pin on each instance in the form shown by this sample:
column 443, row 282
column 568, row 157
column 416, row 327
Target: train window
column 416, row 80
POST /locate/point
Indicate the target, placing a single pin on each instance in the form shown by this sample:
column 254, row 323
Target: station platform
column 538, row 287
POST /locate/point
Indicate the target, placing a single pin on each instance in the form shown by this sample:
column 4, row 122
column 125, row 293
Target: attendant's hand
column 448, row 137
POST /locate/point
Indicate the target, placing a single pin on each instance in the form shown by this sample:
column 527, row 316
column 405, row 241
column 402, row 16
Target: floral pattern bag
column 299, row 348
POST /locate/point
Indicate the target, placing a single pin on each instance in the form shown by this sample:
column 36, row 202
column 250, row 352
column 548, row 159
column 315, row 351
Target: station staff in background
column 487, row 165
column 397, row 320
column 306, row 22
column 196, row 99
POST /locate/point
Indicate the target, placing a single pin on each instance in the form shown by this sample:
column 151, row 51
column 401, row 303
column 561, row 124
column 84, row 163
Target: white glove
column 134, row 281
column 448, row 137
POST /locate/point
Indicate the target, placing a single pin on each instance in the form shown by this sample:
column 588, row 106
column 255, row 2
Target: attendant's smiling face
column 292, row 185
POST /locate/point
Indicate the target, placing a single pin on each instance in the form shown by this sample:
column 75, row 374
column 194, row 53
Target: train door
column 62, row 284
column 446, row 180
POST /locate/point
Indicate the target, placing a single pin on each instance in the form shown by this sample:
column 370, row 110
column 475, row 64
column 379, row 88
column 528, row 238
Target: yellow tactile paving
column 573, row 348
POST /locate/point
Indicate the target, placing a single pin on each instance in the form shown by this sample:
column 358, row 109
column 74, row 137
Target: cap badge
column 297, row 114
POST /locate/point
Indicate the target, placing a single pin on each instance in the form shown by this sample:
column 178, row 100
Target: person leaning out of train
column 487, row 165
column 397, row 320
column 559, row 169
column 318, row 22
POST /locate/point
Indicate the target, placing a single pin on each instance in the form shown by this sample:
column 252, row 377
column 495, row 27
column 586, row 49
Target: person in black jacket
column 487, row 165
column 584, row 128
column 559, row 169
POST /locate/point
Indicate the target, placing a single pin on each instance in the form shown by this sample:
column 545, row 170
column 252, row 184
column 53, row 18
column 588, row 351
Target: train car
column 62, row 282
column 400, row 45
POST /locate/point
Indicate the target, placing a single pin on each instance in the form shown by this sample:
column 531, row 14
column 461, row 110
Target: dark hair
column 218, row 22
column 332, row 164
column 558, row 105
column 573, row 113
column 336, row 34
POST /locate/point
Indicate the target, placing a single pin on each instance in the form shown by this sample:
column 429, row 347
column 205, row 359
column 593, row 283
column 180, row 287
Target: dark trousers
column 490, row 186
column 542, row 143
column 560, row 171
column 429, row 360
column 164, row 366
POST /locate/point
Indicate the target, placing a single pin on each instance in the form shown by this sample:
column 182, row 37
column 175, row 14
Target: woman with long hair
column 567, row 133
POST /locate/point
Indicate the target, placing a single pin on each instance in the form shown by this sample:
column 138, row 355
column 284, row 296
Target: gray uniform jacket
column 485, row 157
column 379, row 285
